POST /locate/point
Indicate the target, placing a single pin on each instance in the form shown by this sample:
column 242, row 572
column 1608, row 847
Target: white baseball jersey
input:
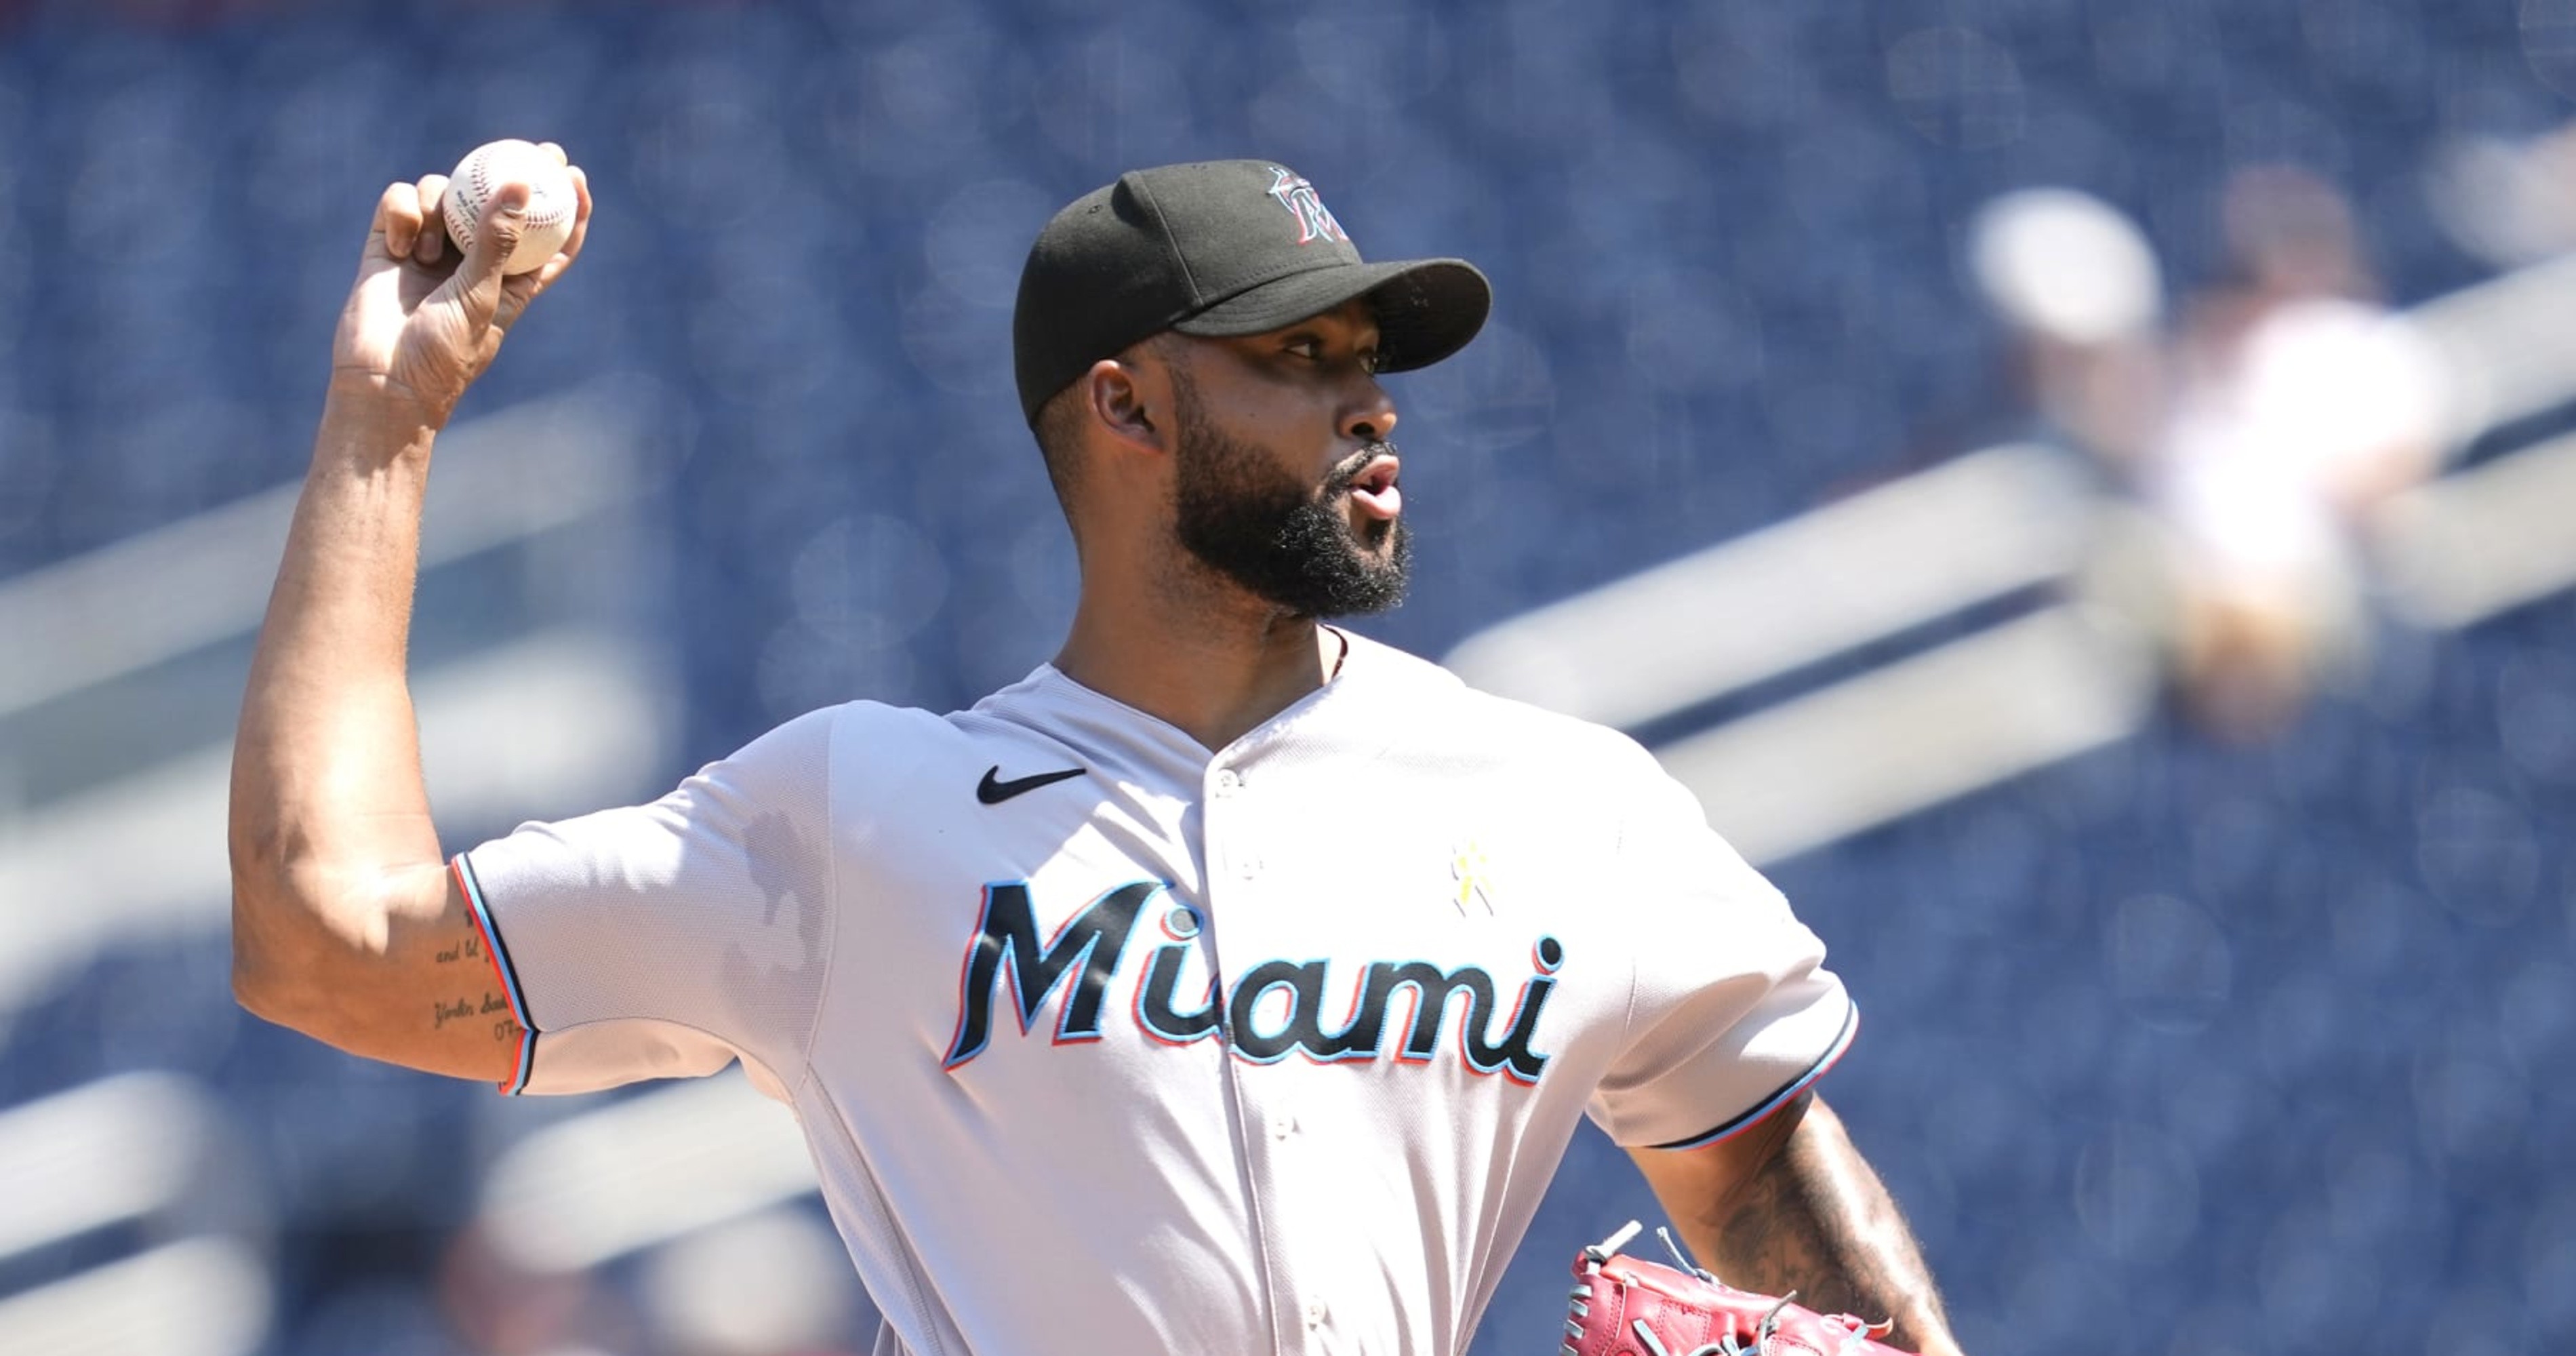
column 1103, row 1042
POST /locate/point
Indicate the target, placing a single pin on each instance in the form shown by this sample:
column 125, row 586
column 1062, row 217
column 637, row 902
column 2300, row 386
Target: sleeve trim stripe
column 1842, row 1043
column 503, row 970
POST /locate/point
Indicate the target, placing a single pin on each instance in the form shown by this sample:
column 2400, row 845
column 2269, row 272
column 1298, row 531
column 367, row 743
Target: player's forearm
column 1815, row 1219
column 327, row 803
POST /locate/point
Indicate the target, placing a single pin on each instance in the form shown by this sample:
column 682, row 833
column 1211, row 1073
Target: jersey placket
column 1265, row 1124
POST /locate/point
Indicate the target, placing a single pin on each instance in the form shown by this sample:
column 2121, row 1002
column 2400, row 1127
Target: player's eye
column 1307, row 347
column 1372, row 361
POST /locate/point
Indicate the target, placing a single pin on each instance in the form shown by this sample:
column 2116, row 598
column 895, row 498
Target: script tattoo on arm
column 1816, row 1220
column 467, row 948
column 494, row 1007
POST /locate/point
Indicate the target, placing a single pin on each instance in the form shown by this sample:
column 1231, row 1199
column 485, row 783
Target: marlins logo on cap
column 1314, row 220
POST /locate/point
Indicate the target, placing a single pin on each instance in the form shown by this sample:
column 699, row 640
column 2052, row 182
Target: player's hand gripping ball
column 552, row 201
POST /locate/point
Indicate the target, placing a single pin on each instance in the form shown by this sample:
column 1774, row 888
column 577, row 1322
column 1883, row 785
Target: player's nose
column 1372, row 418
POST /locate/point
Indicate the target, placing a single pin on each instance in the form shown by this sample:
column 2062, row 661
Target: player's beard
column 1276, row 537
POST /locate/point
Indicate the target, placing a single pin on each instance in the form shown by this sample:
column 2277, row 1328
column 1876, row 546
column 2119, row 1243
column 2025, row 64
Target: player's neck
column 1212, row 672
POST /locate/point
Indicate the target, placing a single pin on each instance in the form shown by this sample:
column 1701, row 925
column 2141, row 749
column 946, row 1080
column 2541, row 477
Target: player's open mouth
column 1373, row 489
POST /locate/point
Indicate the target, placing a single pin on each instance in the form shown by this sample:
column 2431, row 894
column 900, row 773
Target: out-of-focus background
column 2080, row 489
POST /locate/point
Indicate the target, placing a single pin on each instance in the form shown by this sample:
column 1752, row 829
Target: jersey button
column 1226, row 782
column 1282, row 1126
column 1314, row 1313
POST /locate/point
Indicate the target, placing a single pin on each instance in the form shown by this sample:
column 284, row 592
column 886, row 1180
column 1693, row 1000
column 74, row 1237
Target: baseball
column 551, row 199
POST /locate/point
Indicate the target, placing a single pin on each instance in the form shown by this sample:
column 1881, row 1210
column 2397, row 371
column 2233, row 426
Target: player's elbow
column 295, row 952
column 309, row 980
column 257, row 992
column 266, row 973
column 348, row 954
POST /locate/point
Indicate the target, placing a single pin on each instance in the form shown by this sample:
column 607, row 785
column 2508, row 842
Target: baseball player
column 1231, row 983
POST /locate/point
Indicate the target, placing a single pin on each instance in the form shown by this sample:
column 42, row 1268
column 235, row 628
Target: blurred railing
column 539, row 688
column 2059, row 680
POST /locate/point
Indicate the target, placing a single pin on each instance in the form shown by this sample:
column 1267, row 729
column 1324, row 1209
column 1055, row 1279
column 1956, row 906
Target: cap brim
column 1426, row 309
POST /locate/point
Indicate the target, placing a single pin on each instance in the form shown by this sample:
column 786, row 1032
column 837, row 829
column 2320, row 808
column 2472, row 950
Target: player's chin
column 1376, row 541
column 1384, row 556
column 1372, row 527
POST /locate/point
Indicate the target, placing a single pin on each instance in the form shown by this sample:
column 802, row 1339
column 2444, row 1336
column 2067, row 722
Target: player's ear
column 1115, row 391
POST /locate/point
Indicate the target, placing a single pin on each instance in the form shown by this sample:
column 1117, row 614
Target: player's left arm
column 1789, row 1204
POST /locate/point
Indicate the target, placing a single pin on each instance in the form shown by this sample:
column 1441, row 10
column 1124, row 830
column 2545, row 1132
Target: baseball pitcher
column 1231, row 983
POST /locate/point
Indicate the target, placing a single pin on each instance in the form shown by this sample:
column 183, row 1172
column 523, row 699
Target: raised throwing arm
column 1788, row 1205
column 345, row 924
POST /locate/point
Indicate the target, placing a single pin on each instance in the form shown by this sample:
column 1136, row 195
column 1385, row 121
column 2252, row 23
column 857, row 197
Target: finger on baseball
column 478, row 275
column 556, row 151
column 398, row 219
column 553, row 268
column 433, row 232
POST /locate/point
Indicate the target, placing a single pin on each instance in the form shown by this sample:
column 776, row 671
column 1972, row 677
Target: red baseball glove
column 1623, row 1306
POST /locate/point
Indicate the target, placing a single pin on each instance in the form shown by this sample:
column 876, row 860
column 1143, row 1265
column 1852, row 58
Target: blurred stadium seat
column 2170, row 1046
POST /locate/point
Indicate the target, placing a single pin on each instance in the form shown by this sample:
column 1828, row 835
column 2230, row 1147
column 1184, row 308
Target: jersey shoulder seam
column 1636, row 961
column 831, row 904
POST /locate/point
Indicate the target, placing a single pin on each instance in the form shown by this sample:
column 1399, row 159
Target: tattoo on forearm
column 1815, row 1220
column 471, row 948
column 505, row 1028
column 494, row 1008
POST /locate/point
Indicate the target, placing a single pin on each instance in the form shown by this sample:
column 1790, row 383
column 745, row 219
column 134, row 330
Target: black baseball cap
column 1222, row 247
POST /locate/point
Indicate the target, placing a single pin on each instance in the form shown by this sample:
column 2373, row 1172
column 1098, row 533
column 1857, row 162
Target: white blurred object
column 121, row 1148
column 771, row 1284
column 2483, row 540
column 2508, row 203
column 1913, row 734
column 641, row 1172
column 548, row 724
column 2330, row 382
column 204, row 1297
column 502, row 478
column 2505, row 346
column 2299, row 410
column 151, row 1156
column 538, row 717
column 1745, row 611
column 2064, row 266
column 2326, row 404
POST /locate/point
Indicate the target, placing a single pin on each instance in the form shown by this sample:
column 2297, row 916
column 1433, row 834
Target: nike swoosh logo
column 993, row 791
